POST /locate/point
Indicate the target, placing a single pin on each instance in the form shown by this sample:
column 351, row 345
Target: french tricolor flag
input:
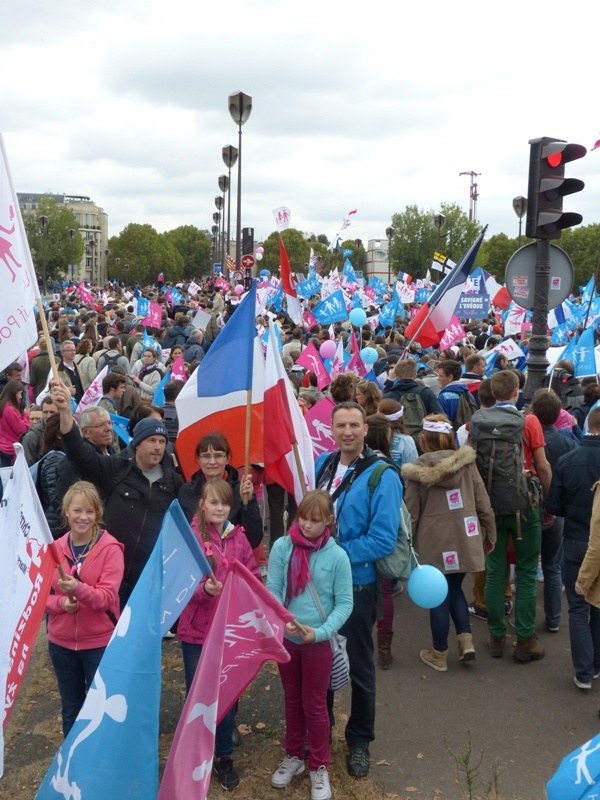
column 225, row 393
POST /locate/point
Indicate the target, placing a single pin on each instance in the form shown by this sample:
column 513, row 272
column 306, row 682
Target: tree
column 194, row 246
column 582, row 245
column 146, row 253
column 296, row 246
column 416, row 238
column 495, row 253
column 53, row 241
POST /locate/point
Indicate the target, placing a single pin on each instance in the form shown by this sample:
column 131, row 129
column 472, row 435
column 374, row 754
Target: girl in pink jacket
column 13, row 422
column 221, row 540
column 83, row 607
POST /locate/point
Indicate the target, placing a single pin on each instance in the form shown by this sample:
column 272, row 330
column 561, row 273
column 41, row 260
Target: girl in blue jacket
column 309, row 553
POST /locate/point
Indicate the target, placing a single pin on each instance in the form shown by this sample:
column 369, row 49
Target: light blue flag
column 422, row 295
column 588, row 292
column 308, row 287
column 265, row 338
column 117, row 728
column 277, row 299
column 143, row 306
column 569, row 350
column 332, row 309
column 378, row 285
column 584, row 357
column 578, row 774
column 148, row 341
column 490, row 363
column 159, row 392
column 559, row 335
column 176, row 296
column 387, row 315
column 348, row 271
column 120, row 427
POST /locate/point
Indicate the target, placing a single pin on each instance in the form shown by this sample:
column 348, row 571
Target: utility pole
column 473, row 195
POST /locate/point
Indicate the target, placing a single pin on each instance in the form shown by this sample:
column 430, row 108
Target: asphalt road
column 525, row 716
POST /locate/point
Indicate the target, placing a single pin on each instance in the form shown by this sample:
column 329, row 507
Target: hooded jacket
column 450, row 510
column 100, row 575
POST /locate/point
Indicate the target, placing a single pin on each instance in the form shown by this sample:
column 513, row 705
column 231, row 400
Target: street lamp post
column 219, row 202
column 92, row 250
column 215, row 237
column 240, row 108
column 106, row 255
column 71, row 234
column 520, row 207
column 439, row 221
column 389, row 232
column 224, row 187
column 230, row 156
column 44, row 224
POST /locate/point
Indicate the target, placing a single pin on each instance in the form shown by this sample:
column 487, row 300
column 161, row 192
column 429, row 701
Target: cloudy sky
column 368, row 106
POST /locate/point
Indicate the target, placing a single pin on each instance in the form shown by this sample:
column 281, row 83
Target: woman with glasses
column 213, row 453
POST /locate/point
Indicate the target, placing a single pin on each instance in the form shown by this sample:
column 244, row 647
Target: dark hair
column 142, row 412
column 172, row 390
column 213, row 441
column 112, row 381
column 113, row 342
column 546, row 406
column 593, row 420
column 349, row 405
column 343, row 388
column 450, row 368
column 484, row 393
column 51, row 439
column 9, row 394
column 379, row 433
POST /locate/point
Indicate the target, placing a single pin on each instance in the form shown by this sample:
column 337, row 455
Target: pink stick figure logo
column 6, row 246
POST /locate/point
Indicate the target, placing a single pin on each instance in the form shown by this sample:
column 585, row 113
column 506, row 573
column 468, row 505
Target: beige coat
column 450, row 510
column 589, row 571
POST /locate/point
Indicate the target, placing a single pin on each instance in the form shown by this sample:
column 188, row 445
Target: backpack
column 414, row 412
column 398, row 564
column 109, row 361
column 497, row 437
column 465, row 409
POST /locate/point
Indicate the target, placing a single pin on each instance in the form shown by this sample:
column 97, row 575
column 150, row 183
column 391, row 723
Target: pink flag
column 178, row 370
column 93, row 394
column 370, row 293
column 318, row 421
column 454, row 332
column 356, row 364
column 311, row 360
column 86, row 297
column 154, row 318
column 309, row 319
column 246, row 630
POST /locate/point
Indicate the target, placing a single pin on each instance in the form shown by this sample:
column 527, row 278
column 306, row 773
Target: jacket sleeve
column 148, row 385
column 555, row 502
column 485, row 513
column 92, row 466
column 15, row 423
column 431, row 402
column 590, row 567
column 343, row 599
column 104, row 594
column 248, row 517
column 380, row 538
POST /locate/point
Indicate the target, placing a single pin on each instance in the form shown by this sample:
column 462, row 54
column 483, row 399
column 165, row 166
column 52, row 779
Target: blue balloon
column 427, row 586
column 369, row 355
column 264, row 273
column 358, row 317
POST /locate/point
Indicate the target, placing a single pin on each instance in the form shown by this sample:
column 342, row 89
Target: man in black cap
column 137, row 486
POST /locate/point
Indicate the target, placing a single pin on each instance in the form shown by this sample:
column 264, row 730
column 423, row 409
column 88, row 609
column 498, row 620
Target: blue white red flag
column 216, row 397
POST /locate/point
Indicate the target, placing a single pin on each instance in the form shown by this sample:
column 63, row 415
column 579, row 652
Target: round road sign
column 248, row 261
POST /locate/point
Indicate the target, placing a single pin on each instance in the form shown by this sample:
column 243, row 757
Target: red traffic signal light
column 548, row 186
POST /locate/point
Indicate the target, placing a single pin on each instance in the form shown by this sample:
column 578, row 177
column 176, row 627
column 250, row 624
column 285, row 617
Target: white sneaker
column 284, row 773
column 319, row 785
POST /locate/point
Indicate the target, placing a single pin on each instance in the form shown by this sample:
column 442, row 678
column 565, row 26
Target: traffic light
column 548, row 186
column 247, row 241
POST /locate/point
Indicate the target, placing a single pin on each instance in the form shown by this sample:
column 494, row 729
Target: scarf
column 298, row 573
column 146, row 370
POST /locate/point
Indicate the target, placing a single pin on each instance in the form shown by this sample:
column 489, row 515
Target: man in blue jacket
column 449, row 375
column 367, row 530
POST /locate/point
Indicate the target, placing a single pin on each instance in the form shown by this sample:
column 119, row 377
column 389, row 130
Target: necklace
column 79, row 552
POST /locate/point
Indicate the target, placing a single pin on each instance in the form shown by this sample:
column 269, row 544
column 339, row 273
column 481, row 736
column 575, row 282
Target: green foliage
column 194, row 245
column 146, row 253
column 495, row 253
column 416, row 238
column 296, row 246
column 582, row 245
column 60, row 250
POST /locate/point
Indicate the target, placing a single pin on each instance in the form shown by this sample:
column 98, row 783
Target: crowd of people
column 496, row 489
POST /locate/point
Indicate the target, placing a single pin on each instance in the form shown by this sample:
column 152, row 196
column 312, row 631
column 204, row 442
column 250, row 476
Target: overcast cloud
column 370, row 106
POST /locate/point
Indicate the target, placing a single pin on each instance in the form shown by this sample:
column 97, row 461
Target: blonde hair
column 223, row 492
column 430, row 441
column 317, row 504
column 90, row 493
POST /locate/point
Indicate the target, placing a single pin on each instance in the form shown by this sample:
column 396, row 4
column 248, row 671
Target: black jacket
column 571, row 494
column 134, row 508
column 249, row 517
column 401, row 387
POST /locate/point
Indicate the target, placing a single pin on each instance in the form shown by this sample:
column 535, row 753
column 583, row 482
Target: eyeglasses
column 104, row 425
column 212, row 456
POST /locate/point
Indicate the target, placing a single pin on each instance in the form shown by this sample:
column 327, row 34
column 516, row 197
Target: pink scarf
column 298, row 572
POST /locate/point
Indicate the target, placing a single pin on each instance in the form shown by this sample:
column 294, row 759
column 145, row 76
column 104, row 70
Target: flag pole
column 47, row 337
column 299, row 467
column 245, row 497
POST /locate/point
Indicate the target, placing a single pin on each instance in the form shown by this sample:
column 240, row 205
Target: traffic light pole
column 537, row 363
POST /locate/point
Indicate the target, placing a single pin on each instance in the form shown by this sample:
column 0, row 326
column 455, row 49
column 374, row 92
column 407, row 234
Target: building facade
column 377, row 262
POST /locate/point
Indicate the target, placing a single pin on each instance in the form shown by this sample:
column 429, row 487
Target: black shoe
column 223, row 767
column 358, row 762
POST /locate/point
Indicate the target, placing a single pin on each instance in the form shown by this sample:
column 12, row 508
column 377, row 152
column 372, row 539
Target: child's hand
column 213, row 586
column 68, row 584
column 308, row 637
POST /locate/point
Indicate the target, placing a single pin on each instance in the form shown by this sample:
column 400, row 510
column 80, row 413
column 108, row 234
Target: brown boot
column 496, row 646
column 529, row 650
column 435, row 659
column 466, row 650
column 384, row 650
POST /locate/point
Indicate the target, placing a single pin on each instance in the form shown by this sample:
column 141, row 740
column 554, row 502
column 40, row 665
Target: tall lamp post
column 230, row 156
column 439, row 221
column 44, row 224
column 106, row 255
column 215, row 237
column 224, row 187
column 92, row 250
column 389, row 232
column 520, row 207
column 240, row 107
column 219, row 202
column 71, row 234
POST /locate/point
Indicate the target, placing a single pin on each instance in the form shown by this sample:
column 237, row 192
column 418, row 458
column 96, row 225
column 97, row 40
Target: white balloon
column 258, row 256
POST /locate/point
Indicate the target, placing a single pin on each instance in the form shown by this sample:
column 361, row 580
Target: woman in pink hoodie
column 13, row 421
column 83, row 607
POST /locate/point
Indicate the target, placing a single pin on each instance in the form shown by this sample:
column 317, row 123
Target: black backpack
column 110, row 361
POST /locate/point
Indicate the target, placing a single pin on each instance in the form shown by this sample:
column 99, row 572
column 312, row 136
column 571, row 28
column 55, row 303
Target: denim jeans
column 455, row 606
column 527, row 551
column 224, row 732
column 552, row 558
column 358, row 630
column 75, row 670
column 584, row 619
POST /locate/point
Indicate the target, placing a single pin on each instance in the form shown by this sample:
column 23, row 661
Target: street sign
column 236, row 277
column 520, row 276
column 248, row 261
column 217, row 268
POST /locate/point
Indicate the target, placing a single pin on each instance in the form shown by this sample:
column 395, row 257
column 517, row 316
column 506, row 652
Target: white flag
column 282, row 217
column 93, row 394
column 18, row 330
